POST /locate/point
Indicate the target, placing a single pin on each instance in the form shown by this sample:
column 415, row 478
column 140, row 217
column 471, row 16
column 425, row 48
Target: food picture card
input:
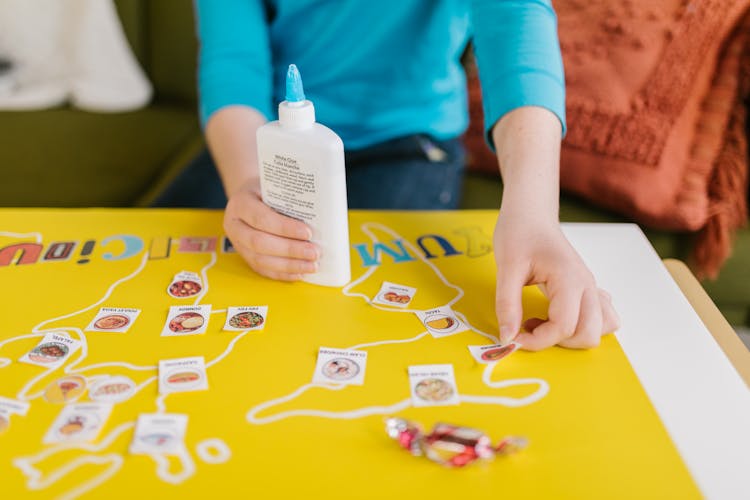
column 182, row 375
column 184, row 285
column 240, row 319
column 186, row 320
column 391, row 294
column 112, row 389
column 113, row 319
column 52, row 351
column 159, row 433
column 487, row 354
column 78, row 422
column 340, row 366
column 441, row 322
column 433, row 385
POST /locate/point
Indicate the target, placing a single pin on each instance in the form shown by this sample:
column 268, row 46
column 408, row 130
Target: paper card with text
column 185, row 284
column 182, row 375
column 4, row 420
column 159, row 433
column 113, row 319
column 78, row 422
column 487, row 354
column 433, row 385
column 441, row 322
column 340, row 366
column 14, row 407
column 186, row 320
column 242, row 318
column 52, row 351
column 10, row 407
column 392, row 294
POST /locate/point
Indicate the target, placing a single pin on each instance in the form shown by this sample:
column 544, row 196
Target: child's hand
column 536, row 252
column 274, row 245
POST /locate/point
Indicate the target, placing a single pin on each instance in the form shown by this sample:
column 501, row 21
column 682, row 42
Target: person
column 387, row 77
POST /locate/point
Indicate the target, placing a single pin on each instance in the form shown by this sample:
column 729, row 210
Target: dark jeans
column 413, row 172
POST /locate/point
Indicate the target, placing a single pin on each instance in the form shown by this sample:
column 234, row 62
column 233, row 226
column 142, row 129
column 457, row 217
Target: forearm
column 230, row 133
column 527, row 141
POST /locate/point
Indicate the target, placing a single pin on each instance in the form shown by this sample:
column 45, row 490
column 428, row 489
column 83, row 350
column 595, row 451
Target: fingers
column 508, row 306
column 261, row 243
column 564, row 311
column 250, row 209
column 589, row 331
column 275, row 246
column 596, row 317
column 610, row 318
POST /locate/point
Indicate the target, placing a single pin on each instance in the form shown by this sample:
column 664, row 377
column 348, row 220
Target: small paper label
column 488, row 354
column 182, row 375
column 4, row 420
column 185, row 284
column 112, row 389
column 433, row 385
column 113, row 319
column 186, row 320
column 240, row 319
column 52, row 351
column 441, row 322
column 78, row 422
column 159, row 433
column 340, row 366
column 14, row 407
column 392, row 294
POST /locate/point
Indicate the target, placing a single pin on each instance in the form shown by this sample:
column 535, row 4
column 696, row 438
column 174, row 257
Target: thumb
column 510, row 283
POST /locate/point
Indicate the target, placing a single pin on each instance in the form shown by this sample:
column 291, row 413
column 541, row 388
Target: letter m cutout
column 400, row 254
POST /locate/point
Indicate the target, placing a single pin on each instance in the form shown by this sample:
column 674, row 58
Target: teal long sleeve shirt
column 380, row 69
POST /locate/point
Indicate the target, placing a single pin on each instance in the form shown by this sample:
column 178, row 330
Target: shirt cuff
column 529, row 89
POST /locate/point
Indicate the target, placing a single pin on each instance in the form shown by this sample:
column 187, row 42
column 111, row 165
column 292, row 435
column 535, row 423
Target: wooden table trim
column 721, row 330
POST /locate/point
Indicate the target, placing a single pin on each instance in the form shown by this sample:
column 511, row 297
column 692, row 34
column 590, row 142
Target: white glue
column 302, row 176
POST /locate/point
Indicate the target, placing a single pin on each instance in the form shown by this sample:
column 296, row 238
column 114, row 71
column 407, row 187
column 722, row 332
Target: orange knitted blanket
column 656, row 114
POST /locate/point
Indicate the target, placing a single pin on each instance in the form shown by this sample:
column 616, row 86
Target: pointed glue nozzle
column 294, row 90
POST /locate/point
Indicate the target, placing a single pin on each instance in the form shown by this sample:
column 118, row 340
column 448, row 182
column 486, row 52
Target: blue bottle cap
column 294, row 90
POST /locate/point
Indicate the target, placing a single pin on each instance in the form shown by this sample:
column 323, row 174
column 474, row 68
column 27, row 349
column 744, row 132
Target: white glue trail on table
column 6, row 361
column 204, row 289
column 122, row 364
column 100, row 301
column 539, row 393
column 116, row 461
column 162, row 467
column 34, row 476
column 350, row 414
column 221, row 452
column 384, row 342
column 161, row 406
column 347, row 290
column 366, row 229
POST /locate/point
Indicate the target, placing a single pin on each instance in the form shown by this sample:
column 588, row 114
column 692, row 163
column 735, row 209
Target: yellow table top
column 262, row 428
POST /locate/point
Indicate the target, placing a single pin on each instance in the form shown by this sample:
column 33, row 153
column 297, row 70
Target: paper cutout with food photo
column 590, row 427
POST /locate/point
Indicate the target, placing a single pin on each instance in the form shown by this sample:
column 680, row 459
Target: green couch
column 65, row 157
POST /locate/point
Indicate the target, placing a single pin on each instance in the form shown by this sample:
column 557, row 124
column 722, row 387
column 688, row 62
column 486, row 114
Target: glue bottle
column 302, row 175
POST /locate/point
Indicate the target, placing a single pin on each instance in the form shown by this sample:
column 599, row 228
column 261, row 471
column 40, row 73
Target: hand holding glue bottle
column 302, row 176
